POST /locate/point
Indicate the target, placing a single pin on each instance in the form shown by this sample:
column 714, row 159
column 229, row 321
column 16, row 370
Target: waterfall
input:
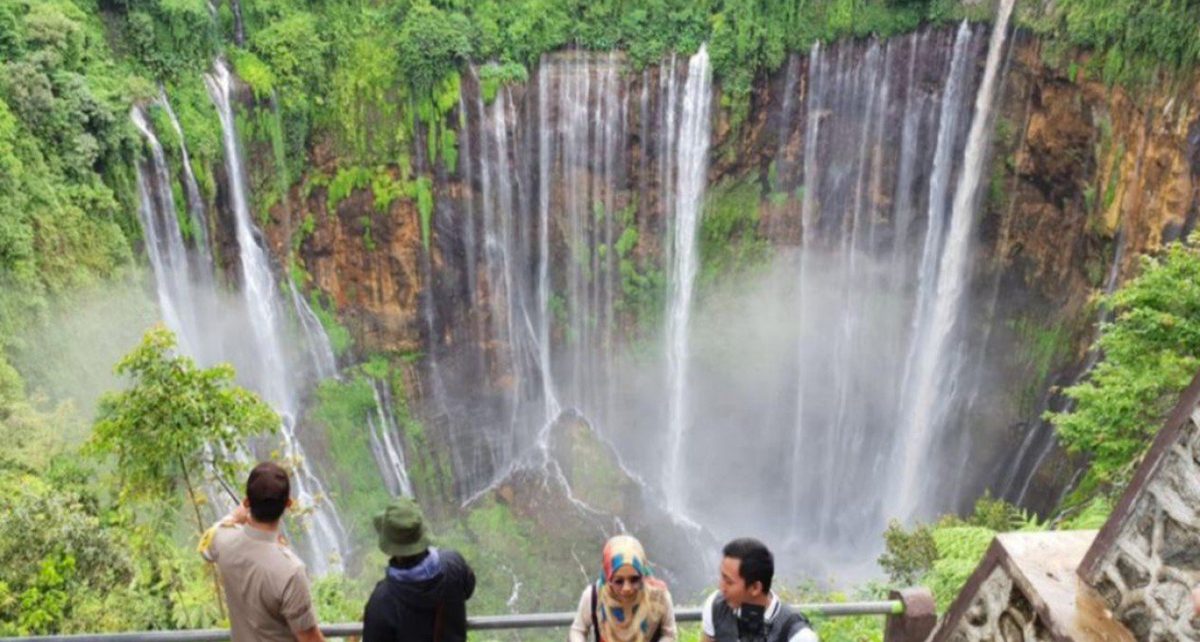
column 1042, row 434
column 316, row 340
column 939, row 359
column 271, row 372
column 692, row 167
column 545, row 157
column 385, row 442
column 810, row 368
column 239, row 29
column 258, row 283
column 879, row 121
column 164, row 240
column 549, row 162
column 808, row 213
column 196, row 208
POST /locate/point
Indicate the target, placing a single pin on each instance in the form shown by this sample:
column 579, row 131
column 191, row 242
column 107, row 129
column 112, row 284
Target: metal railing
column 478, row 623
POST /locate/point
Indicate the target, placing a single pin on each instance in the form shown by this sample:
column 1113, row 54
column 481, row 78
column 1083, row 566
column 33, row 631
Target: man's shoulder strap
column 595, row 622
column 790, row 622
column 718, row 605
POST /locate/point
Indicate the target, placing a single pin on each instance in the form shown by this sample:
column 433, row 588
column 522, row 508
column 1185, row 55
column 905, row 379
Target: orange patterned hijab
column 637, row 621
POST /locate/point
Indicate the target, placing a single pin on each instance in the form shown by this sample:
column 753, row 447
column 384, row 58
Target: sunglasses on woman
column 620, row 582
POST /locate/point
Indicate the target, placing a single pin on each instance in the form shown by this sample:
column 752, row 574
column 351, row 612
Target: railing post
column 917, row 620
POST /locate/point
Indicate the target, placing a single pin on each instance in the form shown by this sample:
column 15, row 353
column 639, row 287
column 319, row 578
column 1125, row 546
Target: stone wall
column 999, row 610
column 1026, row 589
column 1146, row 560
column 1130, row 581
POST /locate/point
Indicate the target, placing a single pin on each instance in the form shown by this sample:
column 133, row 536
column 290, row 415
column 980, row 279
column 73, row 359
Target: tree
column 74, row 564
column 431, row 44
column 1151, row 351
column 159, row 428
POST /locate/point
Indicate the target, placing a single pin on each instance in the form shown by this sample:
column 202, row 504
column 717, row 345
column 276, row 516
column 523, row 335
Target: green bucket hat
column 401, row 528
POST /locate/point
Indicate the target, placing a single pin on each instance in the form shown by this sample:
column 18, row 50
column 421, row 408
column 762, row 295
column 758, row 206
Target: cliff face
column 1086, row 179
column 1093, row 167
column 1083, row 179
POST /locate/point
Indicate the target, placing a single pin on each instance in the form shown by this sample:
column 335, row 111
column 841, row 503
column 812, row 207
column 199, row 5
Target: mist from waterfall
column 793, row 386
column 212, row 324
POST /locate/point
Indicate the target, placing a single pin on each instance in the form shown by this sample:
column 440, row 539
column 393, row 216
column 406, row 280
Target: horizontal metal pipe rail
column 479, row 623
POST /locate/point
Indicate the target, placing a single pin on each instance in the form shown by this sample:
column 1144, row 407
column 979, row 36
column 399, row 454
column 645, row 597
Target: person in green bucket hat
column 423, row 595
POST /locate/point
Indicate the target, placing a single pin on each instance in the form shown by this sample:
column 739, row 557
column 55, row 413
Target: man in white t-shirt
column 745, row 609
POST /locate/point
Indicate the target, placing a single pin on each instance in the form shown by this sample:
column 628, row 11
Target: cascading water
column 691, row 167
column 196, row 208
column 550, row 269
column 164, row 241
column 194, row 309
column 585, row 189
column 316, row 340
column 385, row 443
column 939, row 359
column 272, row 371
column 874, row 121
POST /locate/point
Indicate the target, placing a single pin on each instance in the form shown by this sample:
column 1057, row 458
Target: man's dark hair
column 755, row 562
column 268, row 490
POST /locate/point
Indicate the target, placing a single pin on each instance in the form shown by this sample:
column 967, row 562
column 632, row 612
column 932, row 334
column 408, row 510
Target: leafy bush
column 294, row 49
column 729, row 237
column 161, row 426
column 431, row 43
column 493, row 76
column 1151, row 351
column 944, row 554
column 1133, row 39
column 341, row 412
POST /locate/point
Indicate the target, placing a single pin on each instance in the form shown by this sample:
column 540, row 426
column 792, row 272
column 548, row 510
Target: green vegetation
column 160, row 428
column 347, row 180
column 944, row 554
column 103, row 543
column 729, row 238
column 1132, row 41
column 867, row 628
column 342, row 410
column 1151, row 351
column 643, row 281
column 493, row 76
column 75, row 562
column 431, row 43
column 504, row 546
column 86, row 550
column 1044, row 347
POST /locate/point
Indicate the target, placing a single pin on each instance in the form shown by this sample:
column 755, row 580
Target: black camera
column 751, row 623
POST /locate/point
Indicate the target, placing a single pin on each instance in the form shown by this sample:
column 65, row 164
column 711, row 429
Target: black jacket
column 403, row 611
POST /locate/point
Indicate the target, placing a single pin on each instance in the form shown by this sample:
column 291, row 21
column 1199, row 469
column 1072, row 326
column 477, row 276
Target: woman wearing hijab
column 627, row 604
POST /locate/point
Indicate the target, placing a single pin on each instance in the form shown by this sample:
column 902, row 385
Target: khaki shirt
column 265, row 585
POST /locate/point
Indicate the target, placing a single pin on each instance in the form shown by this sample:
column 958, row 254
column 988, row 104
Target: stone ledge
column 1026, row 589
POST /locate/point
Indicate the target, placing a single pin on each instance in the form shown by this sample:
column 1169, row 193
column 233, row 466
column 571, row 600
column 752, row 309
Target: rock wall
column 1025, row 589
column 1084, row 179
column 1000, row 611
column 1130, row 581
column 1146, row 560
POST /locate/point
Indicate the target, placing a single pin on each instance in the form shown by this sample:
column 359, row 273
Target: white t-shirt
column 706, row 622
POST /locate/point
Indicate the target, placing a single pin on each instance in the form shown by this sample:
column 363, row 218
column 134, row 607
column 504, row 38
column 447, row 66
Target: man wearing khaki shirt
column 265, row 585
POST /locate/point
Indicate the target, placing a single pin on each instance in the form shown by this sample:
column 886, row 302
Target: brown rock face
column 368, row 263
column 1088, row 165
column 1083, row 179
